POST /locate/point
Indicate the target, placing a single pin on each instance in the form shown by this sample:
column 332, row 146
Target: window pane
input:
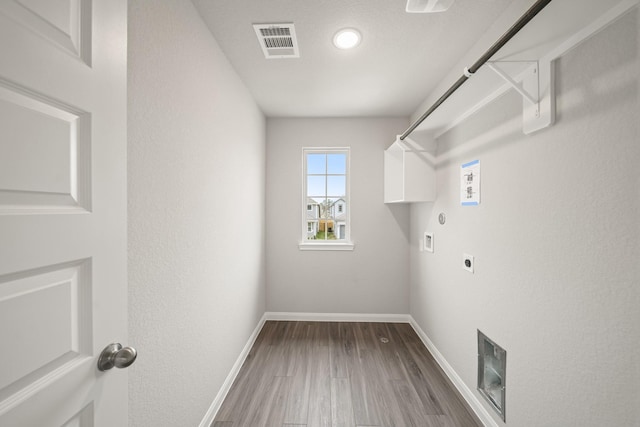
column 316, row 186
column 336, row 186
column 337, row 163
column 326, row 194
column 316, row 163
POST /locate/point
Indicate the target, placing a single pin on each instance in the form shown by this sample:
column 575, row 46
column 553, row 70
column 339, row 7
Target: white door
column 63, row 279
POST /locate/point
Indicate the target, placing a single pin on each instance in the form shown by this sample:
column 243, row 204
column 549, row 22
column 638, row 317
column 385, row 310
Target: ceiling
column 400, row 60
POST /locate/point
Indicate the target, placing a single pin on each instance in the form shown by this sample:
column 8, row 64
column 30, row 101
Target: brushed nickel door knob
column 114, row 355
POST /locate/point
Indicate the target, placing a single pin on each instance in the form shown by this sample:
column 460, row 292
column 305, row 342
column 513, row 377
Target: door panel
column 63, row 282
column 57, row 335
column 64, row 23
column 44, row 155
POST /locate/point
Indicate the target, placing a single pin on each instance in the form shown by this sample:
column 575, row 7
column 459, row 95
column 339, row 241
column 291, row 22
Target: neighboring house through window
column 326, row 197
column 312, row 218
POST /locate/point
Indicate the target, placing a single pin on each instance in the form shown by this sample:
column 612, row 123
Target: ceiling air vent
column 277, row 40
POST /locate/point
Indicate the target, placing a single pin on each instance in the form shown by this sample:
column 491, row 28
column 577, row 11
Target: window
column 326, row 221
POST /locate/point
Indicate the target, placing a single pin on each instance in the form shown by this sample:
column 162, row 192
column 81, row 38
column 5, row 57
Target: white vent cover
column 277, row 40
column 428, row 6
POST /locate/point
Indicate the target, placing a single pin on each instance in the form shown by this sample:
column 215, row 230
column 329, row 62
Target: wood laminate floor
column 318, row 374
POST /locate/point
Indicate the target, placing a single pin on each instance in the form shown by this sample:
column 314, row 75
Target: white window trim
column 343, row 245
column 304, row 246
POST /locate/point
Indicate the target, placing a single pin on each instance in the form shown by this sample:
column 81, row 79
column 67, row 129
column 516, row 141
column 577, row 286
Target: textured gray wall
column 374, row 277
column 555, row 241
column 196, row 214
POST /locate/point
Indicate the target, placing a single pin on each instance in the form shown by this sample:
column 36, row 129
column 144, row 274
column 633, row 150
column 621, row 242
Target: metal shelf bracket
column 536, row 86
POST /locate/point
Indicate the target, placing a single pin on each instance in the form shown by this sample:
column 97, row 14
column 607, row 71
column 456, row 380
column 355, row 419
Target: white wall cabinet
column 409, row 173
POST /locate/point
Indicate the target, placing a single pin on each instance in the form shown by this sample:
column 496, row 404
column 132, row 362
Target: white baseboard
column 226, row 386
column 338, row 317
column 466, row 393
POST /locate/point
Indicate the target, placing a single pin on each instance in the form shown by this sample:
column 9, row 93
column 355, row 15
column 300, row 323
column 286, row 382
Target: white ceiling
column 401, row 59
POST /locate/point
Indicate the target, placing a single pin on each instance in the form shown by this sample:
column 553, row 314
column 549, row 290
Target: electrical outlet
column 427, row 242
column 467, row 262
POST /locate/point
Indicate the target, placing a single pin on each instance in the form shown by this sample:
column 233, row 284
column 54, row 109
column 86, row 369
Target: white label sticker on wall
column 470, row 183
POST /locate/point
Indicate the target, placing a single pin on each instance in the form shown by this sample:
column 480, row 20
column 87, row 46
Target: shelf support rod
column 517, row 86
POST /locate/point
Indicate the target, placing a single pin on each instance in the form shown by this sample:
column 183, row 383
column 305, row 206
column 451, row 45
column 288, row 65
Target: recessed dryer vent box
column 492, row 365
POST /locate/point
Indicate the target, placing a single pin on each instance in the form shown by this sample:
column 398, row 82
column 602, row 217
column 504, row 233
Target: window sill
column 304, row 246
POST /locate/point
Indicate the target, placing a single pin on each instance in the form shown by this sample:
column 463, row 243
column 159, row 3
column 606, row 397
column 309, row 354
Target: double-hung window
column 326, row 206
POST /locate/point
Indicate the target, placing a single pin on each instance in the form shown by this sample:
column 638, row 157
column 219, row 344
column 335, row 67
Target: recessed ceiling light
column 347, row 38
